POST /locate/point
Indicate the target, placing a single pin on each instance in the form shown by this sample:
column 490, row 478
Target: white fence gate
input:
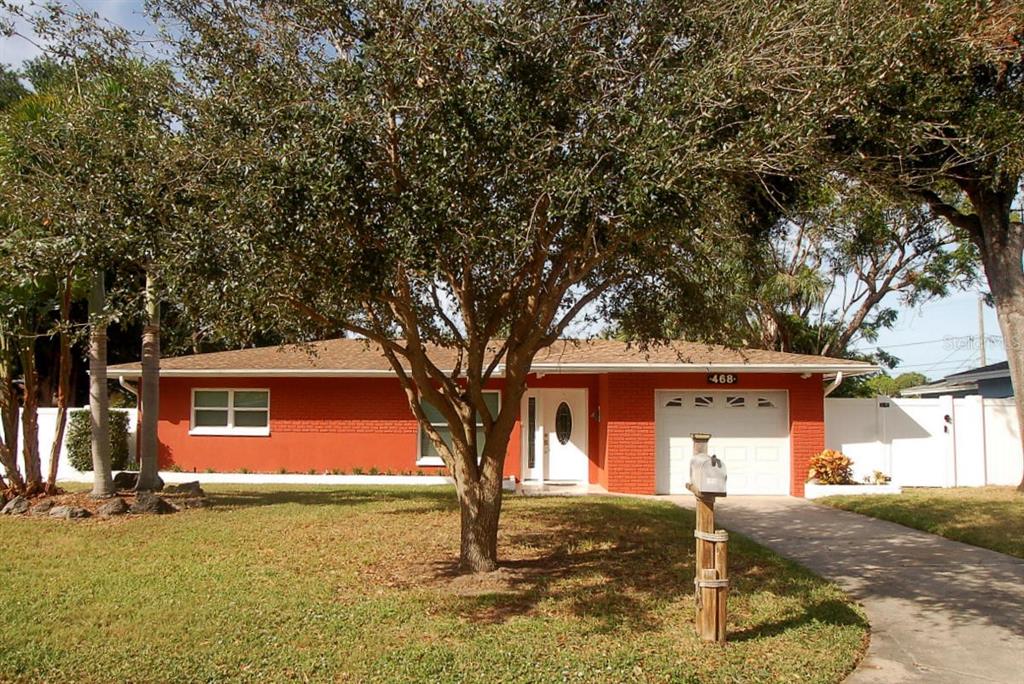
column 942, row 442
column 48, row 429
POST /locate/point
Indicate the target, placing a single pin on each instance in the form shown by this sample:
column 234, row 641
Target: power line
column 902, row 344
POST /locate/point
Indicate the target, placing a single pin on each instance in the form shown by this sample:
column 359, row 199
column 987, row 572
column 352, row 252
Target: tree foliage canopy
column 479, row 176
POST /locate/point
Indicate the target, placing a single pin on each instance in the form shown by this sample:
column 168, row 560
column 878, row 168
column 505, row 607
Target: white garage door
column 749, row 431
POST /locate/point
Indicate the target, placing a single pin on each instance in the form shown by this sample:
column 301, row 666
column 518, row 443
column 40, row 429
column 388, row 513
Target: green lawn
column 992, row 517
column 354, row 584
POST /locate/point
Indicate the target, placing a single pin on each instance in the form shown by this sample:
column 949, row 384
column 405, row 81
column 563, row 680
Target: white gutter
column 261, row 373
column 539, row 368
column 831, row 387
column 702, row 368
column 134, row 391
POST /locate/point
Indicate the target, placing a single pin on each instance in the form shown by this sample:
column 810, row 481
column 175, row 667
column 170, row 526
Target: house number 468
column 723, row 378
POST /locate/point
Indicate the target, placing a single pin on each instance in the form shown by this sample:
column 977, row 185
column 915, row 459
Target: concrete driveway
column 940, row 611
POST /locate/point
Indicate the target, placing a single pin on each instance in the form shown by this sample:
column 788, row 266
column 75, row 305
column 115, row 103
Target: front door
column 555, row 435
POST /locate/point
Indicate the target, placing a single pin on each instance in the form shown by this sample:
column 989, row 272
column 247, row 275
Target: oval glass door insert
column 563, row 423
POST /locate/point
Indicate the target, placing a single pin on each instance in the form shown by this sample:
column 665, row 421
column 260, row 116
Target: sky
column 936, row 339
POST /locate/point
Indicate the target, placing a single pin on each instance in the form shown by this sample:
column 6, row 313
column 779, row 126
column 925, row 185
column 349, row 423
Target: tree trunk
column 1001, row 244
column 1011, row 324
column 9, row 421
column 480, row 506
column 30, row 419
column 478, row 484
column 103, row 483
column 63, row 386
column 150, row 391
column 1006, row 282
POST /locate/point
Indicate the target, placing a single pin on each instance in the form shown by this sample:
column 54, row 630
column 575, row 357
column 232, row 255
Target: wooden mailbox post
column 711, row 580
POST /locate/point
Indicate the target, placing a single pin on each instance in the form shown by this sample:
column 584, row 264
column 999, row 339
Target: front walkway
column 940, row 611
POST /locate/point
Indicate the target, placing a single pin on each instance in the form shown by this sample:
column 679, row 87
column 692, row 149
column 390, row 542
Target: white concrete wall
column 47, row 431
column 942, row 442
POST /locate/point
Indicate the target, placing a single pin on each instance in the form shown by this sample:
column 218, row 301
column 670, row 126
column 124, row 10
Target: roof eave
column 974, row 377
column 940, row 389
column 826, row 369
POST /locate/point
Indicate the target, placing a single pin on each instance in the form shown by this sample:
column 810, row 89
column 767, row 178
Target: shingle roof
column 358, row 356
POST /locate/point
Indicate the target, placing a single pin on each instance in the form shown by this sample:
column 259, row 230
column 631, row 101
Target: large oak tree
column 466, row 179
column 934, row 114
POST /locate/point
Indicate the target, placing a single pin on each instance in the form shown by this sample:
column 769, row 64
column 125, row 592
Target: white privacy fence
column 48, row 430
column 942, row 442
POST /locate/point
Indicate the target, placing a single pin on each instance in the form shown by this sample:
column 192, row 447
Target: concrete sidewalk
column 940, row 611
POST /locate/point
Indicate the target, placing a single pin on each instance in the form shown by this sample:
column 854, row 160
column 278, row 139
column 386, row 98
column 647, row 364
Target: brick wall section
column 628, row 411
column 318, row 424
column 600, row 457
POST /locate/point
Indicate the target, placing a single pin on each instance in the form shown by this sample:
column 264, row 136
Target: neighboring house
column 598, row 412
column 991, row 381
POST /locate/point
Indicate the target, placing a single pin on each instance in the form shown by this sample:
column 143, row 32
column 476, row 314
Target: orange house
column 595, row 412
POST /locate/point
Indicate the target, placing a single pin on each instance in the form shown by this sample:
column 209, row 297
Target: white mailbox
column 707, row 472
column 708, row 475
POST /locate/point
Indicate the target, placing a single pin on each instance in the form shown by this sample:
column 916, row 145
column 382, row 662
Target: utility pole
column 981, row 330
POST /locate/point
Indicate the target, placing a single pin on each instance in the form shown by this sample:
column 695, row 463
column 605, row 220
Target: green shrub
column 831, row 467
column 79, row 441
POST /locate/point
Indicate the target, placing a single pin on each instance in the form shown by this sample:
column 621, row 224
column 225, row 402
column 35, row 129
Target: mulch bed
column 82, row 499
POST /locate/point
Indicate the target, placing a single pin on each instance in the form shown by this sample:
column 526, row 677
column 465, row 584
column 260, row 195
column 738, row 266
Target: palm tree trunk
column 150, row 390
column 63, row 386
column 103, row 482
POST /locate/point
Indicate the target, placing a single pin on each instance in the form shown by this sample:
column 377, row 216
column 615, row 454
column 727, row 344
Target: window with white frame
column 230, row 412
column 428, row 454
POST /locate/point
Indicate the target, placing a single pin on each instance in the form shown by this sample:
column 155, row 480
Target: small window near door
column 703, row 401
column 736, row 402
column 563, row 423
column 674, row 402
column 762, row 402
column 428, row 454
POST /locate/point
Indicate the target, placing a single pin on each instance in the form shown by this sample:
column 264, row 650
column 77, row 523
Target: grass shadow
column 440, row 498
column 618, row 564
column 833, row 612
